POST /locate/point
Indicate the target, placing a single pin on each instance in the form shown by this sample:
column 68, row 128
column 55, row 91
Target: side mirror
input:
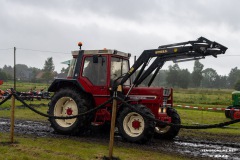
column 95, row 58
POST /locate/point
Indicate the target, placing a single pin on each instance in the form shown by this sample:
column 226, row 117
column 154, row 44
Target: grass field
column 34, row 148
column 203, row 97
column 23, row 86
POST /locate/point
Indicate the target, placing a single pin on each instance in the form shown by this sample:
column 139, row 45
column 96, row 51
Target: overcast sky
column 127, row 25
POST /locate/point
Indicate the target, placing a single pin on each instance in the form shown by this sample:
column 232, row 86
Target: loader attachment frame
column 177, row 52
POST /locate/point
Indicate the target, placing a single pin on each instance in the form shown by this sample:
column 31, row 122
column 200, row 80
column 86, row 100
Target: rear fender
column 65, row 83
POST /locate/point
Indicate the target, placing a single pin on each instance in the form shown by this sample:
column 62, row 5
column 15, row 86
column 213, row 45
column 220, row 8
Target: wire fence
column 126, row 104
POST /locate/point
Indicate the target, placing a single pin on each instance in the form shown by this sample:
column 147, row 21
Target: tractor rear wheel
column 67, row 103
column 227, row 111
column 168, row 132
column 134, row 127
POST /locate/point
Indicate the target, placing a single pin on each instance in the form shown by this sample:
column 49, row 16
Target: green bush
column 237, row 86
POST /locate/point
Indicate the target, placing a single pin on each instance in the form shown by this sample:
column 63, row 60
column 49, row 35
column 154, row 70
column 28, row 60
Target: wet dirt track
column 182, row 145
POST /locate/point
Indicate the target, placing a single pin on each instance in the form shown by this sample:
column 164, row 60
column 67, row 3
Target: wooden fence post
column 12, row 120
column 113, row 120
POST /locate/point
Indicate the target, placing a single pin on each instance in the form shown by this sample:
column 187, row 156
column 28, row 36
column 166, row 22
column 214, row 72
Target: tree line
column 29, row 74
column 173, row 77
column 199, row 78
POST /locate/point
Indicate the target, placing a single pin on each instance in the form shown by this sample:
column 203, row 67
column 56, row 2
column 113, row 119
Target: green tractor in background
column 233, row 111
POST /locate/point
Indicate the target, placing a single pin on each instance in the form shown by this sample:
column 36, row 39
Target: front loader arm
column 178, row 52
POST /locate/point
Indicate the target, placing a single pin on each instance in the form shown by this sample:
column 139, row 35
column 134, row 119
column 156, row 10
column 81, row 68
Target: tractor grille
column 166, row 92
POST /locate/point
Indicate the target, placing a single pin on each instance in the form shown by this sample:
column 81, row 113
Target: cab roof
column 104, row 51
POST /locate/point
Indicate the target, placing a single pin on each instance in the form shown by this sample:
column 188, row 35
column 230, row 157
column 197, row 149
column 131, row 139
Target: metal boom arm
column 178, row 52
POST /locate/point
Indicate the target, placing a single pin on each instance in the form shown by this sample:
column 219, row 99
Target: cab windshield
column 119, row 67
column 72, row 68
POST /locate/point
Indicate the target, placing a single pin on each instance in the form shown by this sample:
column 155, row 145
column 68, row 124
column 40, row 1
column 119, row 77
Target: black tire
column 227, row 111
column 68, row 102
column 129, row 122
column 168, row 132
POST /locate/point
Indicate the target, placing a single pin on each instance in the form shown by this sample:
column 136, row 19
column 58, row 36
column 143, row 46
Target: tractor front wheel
column 168, row 132
column 134, row 127
column 67, row 103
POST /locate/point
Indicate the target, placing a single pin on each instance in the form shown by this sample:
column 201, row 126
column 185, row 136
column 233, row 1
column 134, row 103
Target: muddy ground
column 192, row 144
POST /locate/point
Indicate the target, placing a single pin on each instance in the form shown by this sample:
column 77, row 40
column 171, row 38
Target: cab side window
column 95, row 72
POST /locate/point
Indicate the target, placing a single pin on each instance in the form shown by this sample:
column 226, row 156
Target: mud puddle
column 185, row 148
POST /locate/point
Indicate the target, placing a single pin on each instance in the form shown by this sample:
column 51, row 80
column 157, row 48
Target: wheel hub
column 69, row 111
column 136, row 124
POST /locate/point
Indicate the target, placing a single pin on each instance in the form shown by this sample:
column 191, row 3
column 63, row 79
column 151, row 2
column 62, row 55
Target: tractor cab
column 97, row 70
column 95, row 65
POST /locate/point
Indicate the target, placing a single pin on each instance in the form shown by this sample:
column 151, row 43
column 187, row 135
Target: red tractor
column 95, row 75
